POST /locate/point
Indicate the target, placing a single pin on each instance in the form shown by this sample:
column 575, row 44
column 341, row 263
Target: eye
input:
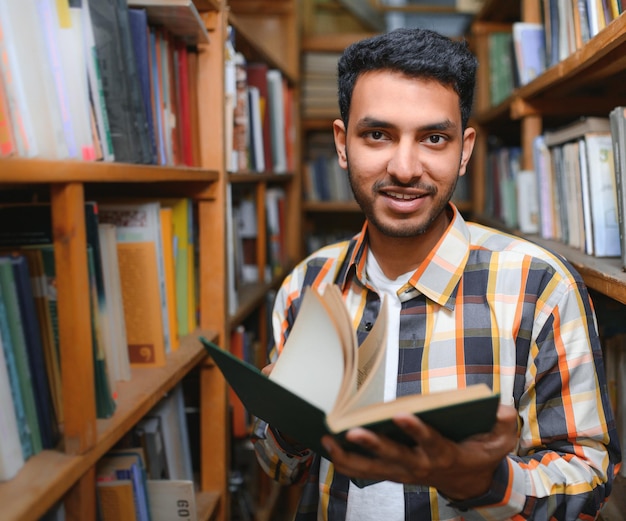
column 435, row 139
column 376, row 135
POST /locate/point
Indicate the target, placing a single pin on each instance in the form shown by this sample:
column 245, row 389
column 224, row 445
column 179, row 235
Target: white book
column 233, row 300
column 172, row 499
column 115, row 328
column 256, row 129
column 171, row 413
column 277, row 120
column 11, row 459
column 527, row 204
column 545, row 187
column 618, row 133
column 70, row 36
column 601, row 170
column 586, row 197
column 33, row 94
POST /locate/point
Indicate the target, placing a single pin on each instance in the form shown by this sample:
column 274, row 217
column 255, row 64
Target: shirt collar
column 438, row 276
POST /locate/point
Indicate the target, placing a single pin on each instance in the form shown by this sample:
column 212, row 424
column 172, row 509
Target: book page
column 343, row 322
column 371, row 366
column 312, row 362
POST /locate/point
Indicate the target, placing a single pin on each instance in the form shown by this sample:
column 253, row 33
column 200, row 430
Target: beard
column 400, row 227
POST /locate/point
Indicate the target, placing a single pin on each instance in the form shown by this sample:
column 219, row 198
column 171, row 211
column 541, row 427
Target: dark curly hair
column 418, row 53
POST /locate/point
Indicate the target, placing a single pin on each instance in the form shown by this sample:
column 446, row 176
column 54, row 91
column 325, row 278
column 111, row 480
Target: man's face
column 404, row 150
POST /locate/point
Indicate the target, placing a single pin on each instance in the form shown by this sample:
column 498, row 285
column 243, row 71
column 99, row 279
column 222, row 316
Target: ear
column 339, row 131
column 469, row 138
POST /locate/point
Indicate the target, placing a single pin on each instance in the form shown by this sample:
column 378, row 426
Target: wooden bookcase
column 68, row 473
column 587, row 83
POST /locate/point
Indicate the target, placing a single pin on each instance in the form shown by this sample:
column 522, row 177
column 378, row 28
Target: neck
column 399, row 255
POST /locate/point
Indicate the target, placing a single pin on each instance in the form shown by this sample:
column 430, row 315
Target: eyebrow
column 369, row 122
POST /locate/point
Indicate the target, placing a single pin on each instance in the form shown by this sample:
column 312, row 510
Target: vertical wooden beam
column 80, row 501
column 214, row 425
column 480, row 46
column 532, row 126
column 261, row 221
column 74, row 306
column 531, row 11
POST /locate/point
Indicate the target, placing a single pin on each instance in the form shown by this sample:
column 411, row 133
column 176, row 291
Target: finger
column 267, row 369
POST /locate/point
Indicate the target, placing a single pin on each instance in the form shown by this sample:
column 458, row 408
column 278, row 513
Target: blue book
column 139, row 32
column 530, row 50
column 48, row 424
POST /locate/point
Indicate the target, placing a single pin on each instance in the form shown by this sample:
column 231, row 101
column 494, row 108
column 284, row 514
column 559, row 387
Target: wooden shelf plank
column 269, row 39
column 603, row 274
column 180, row 17
column 40, row 171
column 335, row 42
column 47, row 476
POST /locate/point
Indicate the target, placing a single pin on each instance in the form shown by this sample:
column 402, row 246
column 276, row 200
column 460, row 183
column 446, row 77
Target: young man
column 467, row 303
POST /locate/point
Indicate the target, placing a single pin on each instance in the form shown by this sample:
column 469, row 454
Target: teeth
column 401, row 196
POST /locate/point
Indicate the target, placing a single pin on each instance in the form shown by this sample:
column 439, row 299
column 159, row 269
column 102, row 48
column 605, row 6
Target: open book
column 323, row 383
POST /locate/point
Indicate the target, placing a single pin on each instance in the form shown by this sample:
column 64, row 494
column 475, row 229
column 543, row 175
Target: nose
column 404, row 163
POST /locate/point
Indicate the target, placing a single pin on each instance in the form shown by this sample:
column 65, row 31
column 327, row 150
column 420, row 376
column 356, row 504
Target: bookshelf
column 67, row 473
column 585, row 83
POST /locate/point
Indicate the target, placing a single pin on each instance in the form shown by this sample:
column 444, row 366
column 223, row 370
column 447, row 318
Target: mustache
column 385, row 185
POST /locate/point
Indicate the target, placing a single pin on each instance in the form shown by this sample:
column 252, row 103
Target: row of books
column 319, row 85
column 28, row 419
column 141, row 265
column 148, row 476
column 322, row 177
column 573, row 194
column 94, row 80
column 243, row 246
column 571, row 24
column 519, row 55
column 260, row 113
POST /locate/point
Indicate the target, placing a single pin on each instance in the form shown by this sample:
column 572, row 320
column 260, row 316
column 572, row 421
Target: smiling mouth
column 403, row 197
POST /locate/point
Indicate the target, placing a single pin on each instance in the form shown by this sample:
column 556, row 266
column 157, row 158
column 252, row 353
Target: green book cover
column 18, row 340
column 305, row 422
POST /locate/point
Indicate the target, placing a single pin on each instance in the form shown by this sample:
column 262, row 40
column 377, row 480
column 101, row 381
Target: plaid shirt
column 483, row 307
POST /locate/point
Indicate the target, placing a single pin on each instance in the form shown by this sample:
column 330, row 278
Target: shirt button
column 368, row 326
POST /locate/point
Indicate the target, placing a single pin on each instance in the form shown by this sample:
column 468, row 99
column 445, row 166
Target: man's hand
column 267, row 370
column 458, row 470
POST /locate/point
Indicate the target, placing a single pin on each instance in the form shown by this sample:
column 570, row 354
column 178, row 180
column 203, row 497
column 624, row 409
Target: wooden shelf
column 50, row 474
column 601, row 274
column 335, row 42
column 40, row 171
column 266, row 38
column 180, row 17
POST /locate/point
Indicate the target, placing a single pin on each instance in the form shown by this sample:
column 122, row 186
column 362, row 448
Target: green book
column 18, row 340
column 322, row 384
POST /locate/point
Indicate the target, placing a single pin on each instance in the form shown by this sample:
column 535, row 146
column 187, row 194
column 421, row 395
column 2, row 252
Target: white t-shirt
column 384, row 500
